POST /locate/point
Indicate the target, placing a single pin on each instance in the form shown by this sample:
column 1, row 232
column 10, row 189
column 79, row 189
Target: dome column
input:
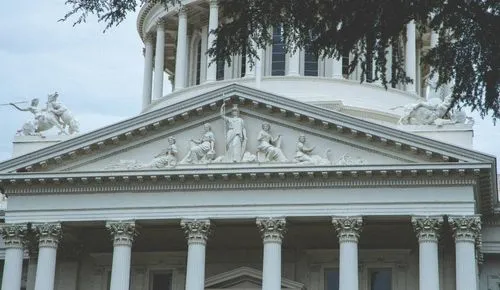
column 213, row 22
column 159, row 60
column 148, row 72
column 294, row 63
column 181, row 55
column 13, row 235
column 348, row 230
column 411, row 57
column 427, row 230
column 272, row 230
column 337, row 68
column 466, row 230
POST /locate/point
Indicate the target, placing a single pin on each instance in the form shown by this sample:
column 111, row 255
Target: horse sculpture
column 54, row 115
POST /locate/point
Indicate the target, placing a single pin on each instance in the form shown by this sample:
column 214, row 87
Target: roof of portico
column 433, row 160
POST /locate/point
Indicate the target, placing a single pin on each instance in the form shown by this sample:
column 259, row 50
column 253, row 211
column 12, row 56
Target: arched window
column 278, row 53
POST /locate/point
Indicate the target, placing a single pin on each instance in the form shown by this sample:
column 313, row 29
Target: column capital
column 123, row 232
column 427, row 227
column 197, row 231
column 182, row 11
column 272, row 229
column 160, row 23
column 348, row 228
column 149, row 38
column 48, row 234
column 465, row 228
column 13, row 235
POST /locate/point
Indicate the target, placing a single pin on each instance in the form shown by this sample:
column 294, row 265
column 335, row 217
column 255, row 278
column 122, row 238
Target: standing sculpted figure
column 202, row 150
column 236, row 135
column 268, row 149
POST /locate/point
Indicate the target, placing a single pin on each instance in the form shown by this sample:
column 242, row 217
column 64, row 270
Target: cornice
column 235, row 177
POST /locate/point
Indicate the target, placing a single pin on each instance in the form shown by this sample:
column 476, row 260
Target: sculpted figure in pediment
column 203, row 150
column 235, row 135
column 304, row 155
column 167, row 158
column 268, row 149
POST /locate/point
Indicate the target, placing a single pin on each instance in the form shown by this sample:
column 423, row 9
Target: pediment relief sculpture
column 266, row 148
column 54, row 115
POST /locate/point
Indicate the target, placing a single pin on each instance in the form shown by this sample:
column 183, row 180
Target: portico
column 297, row 246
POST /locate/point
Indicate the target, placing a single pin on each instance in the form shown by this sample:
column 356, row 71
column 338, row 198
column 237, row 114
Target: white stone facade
column 260, row 181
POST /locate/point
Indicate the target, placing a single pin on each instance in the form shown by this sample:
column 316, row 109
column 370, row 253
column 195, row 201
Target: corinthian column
column 159, row 59
column 197, row 232
column 348, row 230
column 272, row 230
column 13, row 235
column 123, row 234
column 427, row 229
column 466, row 230
column 213, row 22
column 48, row 235
column 181, row 57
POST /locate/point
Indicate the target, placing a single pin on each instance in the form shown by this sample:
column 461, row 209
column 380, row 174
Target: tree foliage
column 467, row 54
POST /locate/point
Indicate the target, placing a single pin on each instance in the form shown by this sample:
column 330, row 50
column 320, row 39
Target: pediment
column 245, row 278
column 337, row 139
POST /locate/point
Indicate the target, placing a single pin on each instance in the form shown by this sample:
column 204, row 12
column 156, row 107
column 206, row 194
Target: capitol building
column 287, row 173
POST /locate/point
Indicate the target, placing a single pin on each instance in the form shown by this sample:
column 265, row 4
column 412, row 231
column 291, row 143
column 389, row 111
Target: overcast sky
column 98, row 76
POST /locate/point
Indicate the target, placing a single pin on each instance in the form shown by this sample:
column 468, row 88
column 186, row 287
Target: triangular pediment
column 245, row 278
column 336, row 137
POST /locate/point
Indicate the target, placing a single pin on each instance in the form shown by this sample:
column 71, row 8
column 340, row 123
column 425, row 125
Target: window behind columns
column 380, row 279
column 370, row 61
column 220, row 70
column 345, row 64
column 243, row 70
column 198, row 63
column 331, row 279
column 160, row 281
column 278, row 56
column 310, row 64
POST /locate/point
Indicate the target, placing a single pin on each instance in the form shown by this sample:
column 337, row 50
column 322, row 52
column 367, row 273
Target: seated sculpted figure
column 268, row 149
column 203, row 150
column 303, row 154
column 167, row 158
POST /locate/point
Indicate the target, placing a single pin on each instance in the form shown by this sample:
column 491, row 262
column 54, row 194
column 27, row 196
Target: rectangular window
column 160, row 281
column 345, row 64
column 380, row 279
column 310, row 64
column 332, row 279
column 278, row 56
column 198, row 63
column 370, row 58
column 220, row 69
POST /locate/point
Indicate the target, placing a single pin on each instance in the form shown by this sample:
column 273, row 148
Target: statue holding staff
column 235, row 133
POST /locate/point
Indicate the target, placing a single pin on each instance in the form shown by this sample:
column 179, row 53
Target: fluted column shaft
column 427, row 229
column 272, row 230
column 181, row 56
column 48, row 241
column 159, row 60
column 411, row 56
column 123, row 233
column 197, row 232
column 13, row 235
column 294, row 63
column 148, row 72
column 213, row 22
column 466, row 230
column 348, row 230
